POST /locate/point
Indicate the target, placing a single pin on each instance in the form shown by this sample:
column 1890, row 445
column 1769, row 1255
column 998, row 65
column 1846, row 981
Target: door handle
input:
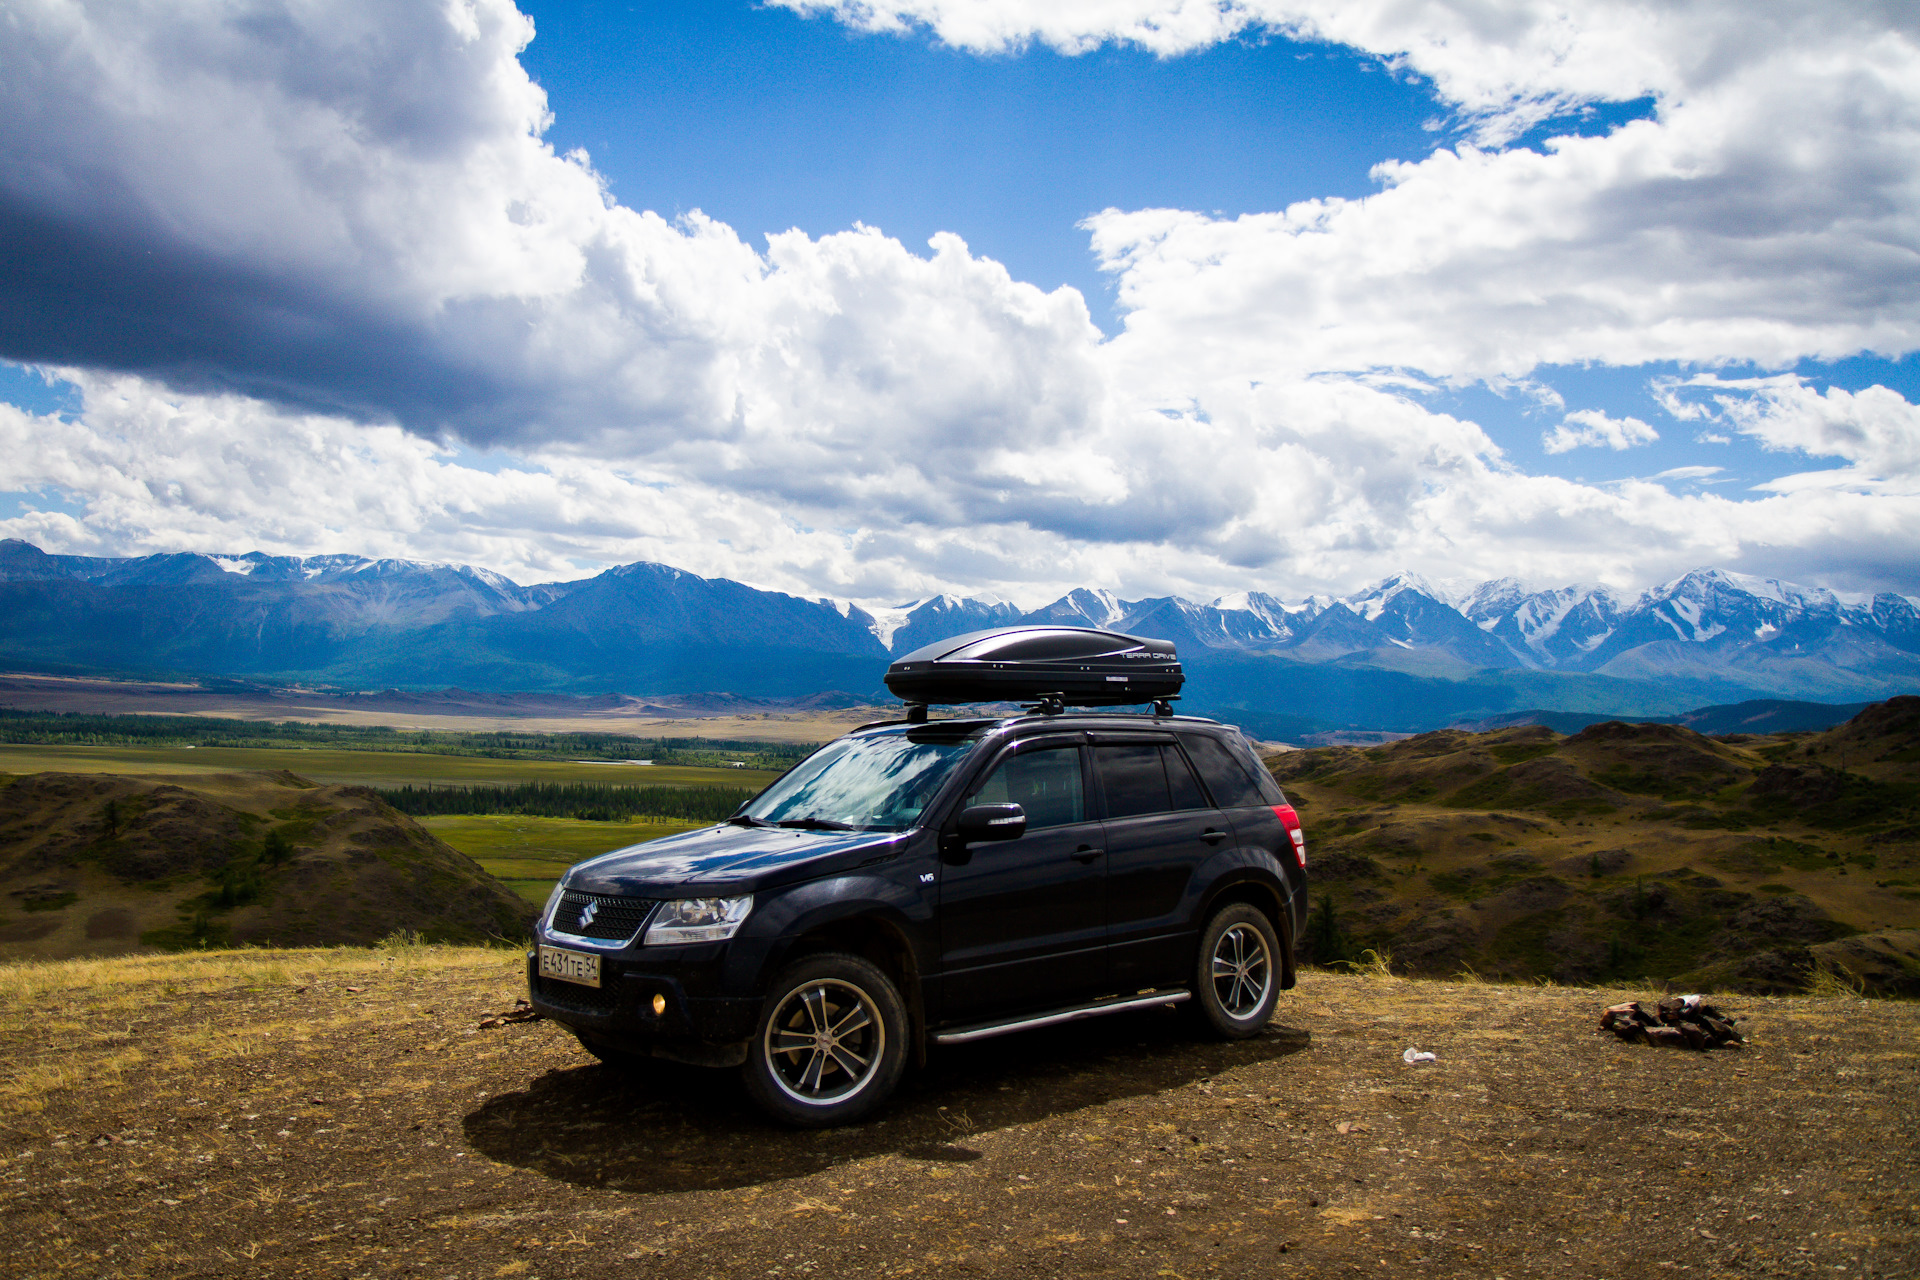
column 1085, row 853
column 1213, row 835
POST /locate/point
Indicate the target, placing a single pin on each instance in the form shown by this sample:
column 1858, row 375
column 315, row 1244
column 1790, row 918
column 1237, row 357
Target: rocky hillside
column 1623, row 851
column 95, row 864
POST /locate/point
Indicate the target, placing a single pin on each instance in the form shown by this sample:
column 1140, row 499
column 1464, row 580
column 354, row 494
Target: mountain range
column 1403, row 653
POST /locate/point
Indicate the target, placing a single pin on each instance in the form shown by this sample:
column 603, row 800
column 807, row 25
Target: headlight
column 696, row 920
column 553, row 900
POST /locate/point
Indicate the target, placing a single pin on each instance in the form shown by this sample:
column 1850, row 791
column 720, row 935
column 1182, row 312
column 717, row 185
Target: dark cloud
column 111, row 292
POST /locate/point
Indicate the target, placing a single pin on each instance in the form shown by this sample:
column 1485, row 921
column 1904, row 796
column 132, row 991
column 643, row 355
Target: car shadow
column 666, row 1128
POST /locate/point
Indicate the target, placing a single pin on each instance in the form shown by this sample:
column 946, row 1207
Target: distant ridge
column 1402, row 654
column 1759, row 715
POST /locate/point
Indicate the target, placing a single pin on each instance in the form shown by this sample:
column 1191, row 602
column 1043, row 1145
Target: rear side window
column 1046, row 783
column 1185, row 788
column 1227, row 777
column 1243, row 752
column 1132, row 777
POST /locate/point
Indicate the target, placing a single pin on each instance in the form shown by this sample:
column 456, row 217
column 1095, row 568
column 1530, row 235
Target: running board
column 987, row 1030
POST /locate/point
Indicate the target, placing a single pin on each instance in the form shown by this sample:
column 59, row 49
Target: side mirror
column 993, row 822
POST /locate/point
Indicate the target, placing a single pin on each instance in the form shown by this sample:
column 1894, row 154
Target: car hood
column 742, row 858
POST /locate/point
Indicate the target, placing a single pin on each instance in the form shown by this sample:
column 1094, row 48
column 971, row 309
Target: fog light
column 659, row 1005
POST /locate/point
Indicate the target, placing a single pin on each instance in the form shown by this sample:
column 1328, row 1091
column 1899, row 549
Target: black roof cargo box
column 1079, row 666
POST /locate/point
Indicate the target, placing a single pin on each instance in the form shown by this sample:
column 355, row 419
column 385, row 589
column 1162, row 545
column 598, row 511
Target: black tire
column 844, row 1031
column 1236, row 979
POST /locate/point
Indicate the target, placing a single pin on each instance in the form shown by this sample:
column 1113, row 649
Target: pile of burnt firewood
column 521, row 1012
column 1684, row 1022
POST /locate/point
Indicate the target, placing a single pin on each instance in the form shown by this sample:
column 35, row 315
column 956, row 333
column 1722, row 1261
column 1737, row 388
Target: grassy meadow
column 361, row 768
column 528, row 854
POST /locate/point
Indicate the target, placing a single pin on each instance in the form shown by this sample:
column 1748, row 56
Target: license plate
column 570, row 966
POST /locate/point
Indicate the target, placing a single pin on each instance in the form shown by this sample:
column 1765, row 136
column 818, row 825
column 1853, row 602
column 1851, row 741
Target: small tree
column 239, row 884
column 112, row 816
column 276, row 848
column 1326, row 944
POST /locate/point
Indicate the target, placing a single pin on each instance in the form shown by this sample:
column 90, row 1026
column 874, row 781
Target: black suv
column 936, row 882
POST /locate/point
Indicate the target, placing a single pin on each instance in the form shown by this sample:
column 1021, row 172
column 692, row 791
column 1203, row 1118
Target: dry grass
column 1827, row 982
column 27, row 986
column 337, row 1112
column 1373, row 964
column 76, row 1022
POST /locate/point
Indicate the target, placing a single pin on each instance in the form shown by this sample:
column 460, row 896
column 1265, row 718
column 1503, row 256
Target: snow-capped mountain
column 1250, row 615
column 353, row 618
column 1758, row 633
column 346, row 588
column 1082, row 607
column 1555, row 628
column 906, row 627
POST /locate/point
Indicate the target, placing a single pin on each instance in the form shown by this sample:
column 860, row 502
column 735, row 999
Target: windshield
column 877, row 783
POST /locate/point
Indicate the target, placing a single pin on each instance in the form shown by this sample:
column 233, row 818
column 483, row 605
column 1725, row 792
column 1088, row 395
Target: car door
column 1245, row 792
column 1160, row 827
column 1022, row 922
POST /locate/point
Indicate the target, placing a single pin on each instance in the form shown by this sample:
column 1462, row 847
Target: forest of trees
column 595, row 802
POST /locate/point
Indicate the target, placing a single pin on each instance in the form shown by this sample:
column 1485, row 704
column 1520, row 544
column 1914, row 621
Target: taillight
column 1291, row 821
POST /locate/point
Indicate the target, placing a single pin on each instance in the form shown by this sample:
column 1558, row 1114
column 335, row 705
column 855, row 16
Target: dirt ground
column 340, row 1114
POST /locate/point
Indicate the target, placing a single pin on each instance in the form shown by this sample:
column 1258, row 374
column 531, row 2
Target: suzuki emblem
column 588, row 912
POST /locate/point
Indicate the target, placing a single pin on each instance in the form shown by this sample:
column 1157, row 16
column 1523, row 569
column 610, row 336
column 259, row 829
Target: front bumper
column 620, row 1011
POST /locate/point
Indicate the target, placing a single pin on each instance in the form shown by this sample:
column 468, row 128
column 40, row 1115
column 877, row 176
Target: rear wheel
column 1237, row 976
column 831, row 1043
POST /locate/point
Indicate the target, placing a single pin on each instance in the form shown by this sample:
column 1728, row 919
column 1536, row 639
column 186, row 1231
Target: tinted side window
column 1225, row 775
column 1181, row 783
column 1046, row 783
column 1132, row 777
column 1242, row 750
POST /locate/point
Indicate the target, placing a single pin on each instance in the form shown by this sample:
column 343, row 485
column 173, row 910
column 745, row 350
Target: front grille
column 571, row 995
column 613, row 919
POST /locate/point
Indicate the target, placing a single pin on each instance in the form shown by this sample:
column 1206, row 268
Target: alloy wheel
column 824, row 1042
column 1242, row 970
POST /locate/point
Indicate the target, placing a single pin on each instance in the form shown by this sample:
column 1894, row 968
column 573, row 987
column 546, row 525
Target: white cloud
column 353, row 212
column 1590, row 427
column 1320, row 485
column 1768, row 211
column 1658, row 242
column 1876, row 431
column 347, row 214
column 1504, row 63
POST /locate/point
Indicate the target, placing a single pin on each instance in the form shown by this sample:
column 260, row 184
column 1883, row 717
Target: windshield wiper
column 816, row 824
column 747, row 820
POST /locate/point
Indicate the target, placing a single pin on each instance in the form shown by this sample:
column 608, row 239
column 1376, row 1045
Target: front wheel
column 831, row 1043
column 1237, row 978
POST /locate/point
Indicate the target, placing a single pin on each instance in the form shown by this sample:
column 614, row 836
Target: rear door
column 1160, row 827
column 1245, row 792
column 1023, row 922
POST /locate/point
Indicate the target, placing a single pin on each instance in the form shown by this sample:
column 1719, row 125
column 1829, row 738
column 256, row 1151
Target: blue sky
column 1609, row 310
column 768, row 120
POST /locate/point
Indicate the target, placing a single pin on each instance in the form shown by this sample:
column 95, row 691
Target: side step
column 987, row 1030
